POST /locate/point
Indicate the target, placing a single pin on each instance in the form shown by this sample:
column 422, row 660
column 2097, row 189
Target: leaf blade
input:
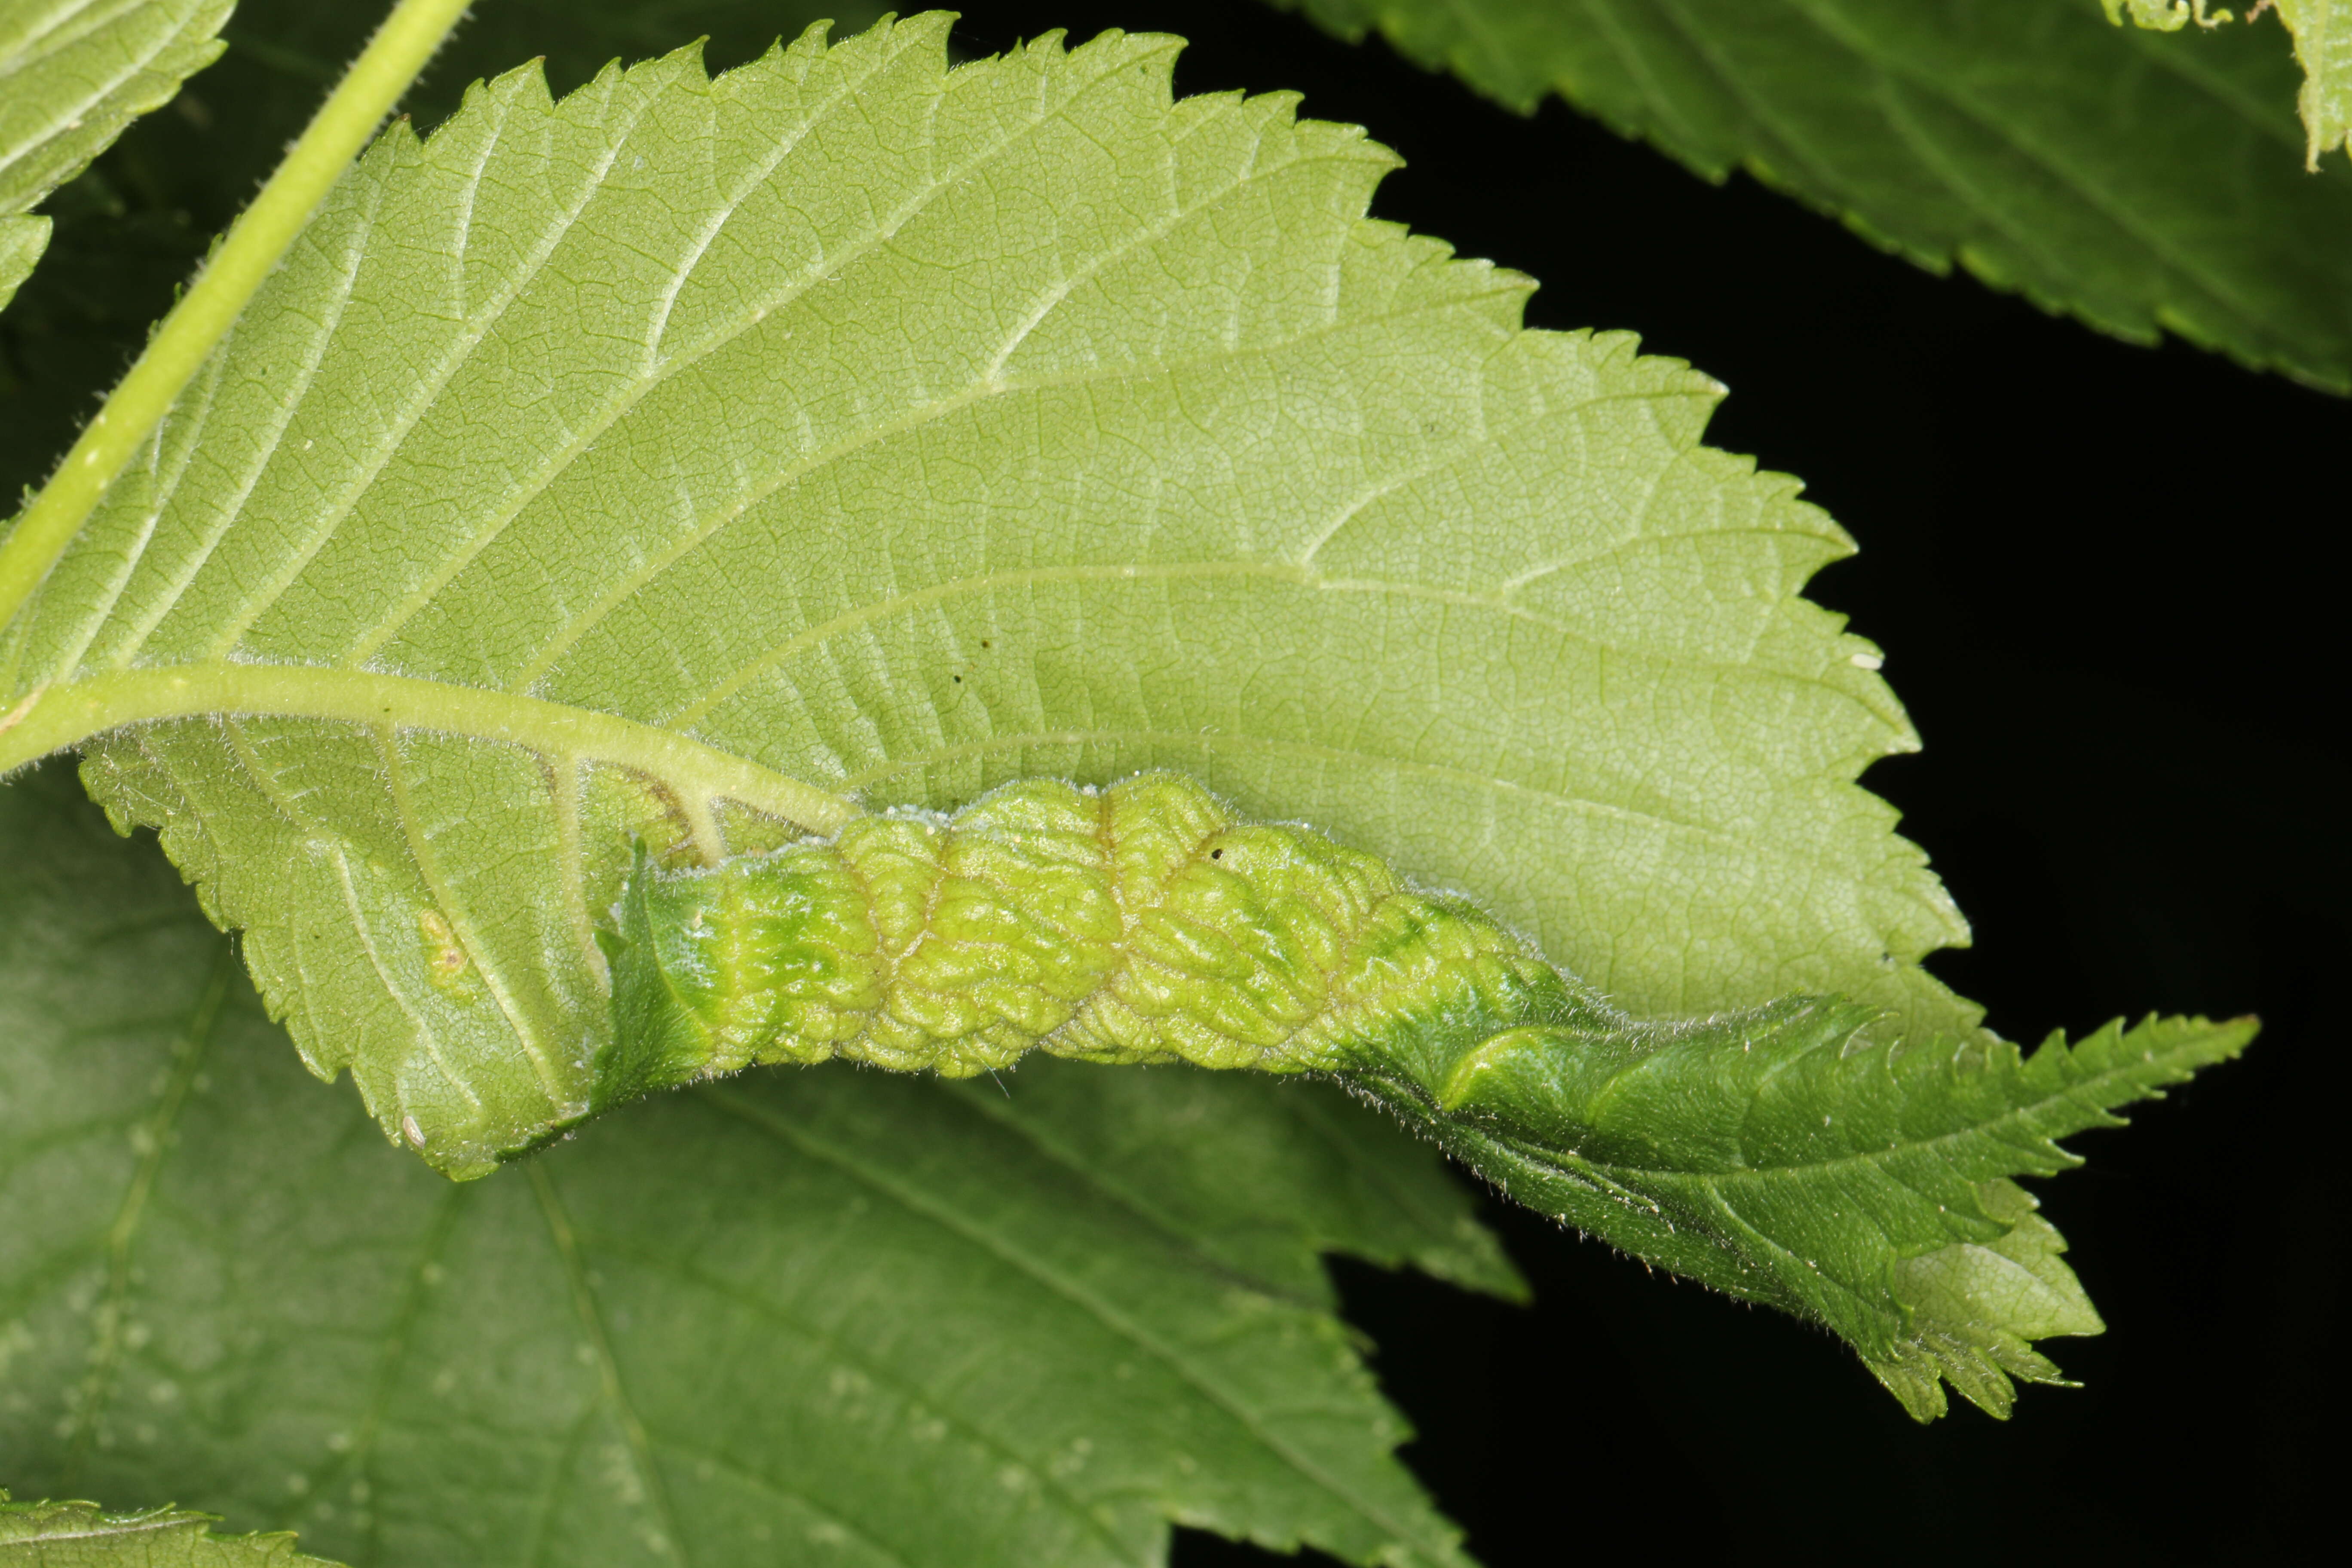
column 22, row 241
column 1781, row 1156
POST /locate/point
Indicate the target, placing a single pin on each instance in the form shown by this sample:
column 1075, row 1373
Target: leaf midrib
column 63, row 715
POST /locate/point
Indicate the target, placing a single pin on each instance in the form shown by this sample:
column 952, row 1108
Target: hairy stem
column 206, row 312
column 55, row 718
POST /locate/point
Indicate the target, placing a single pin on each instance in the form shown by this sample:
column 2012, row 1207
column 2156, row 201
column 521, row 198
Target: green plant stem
column 255, row 241
column 54, row 718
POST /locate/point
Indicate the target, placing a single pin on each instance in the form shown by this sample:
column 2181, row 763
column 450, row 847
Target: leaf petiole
column 255, row 243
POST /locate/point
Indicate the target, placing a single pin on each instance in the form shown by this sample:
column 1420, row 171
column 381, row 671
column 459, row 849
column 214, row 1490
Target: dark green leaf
column 2142, row 181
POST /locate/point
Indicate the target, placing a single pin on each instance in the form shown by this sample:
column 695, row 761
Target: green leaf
column 83, row 1535
column 2140, row 183
column 676, row 460
column 1781, row 1156
column 2323, row 46
column 884, row 1319
column 76, row 72
column 22, row 241
column 73, row 74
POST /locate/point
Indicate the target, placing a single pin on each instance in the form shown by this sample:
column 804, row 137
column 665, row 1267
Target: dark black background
column 2099, row 573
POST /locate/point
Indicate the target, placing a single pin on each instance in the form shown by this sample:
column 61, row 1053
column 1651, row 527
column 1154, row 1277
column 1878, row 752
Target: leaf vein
column 775, row 1312
column 608, row 1366
column 1119, row 1324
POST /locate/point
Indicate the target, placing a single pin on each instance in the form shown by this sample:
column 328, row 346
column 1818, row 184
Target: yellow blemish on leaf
column 2165, row 15
column 445, row 960
column 23, row 710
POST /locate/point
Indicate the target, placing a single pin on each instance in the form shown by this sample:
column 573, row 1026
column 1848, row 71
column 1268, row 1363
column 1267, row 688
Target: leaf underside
column 82, row 1535
column 2144, row 184
column 2323, row 47
column 833, row 1315
column 73, row 74
column 641, row 464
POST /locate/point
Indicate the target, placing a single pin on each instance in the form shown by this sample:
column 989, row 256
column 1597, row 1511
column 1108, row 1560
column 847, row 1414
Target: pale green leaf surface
column 2323, row 47
column 652, row 462
column 83, row 1535
column 825, row 1316
column 286, row 54
column 2140, row 182
column 73, row 73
